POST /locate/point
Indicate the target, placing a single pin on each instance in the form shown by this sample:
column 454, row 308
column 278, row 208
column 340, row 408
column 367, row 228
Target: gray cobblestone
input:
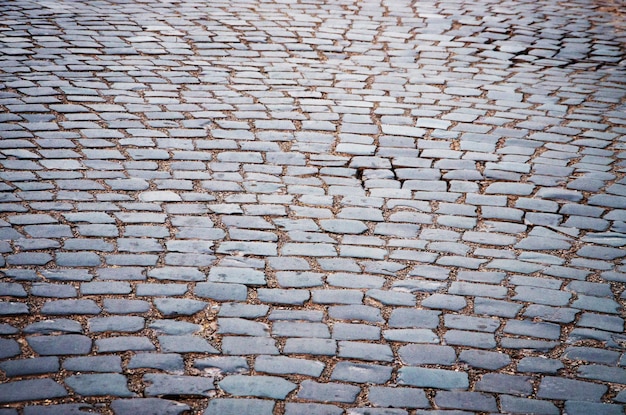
column 418, row 354
column 32, row 366
column 66, row 344
column 249, row 346
column 147, row 405
column 260, row 386
column 312, row 408
column 398, row 397
column 473, row 401
column 361, row 373
column 239, row 406
column 432, row 378
column 566, row 389
column 312, row 346
column 177, row 307
column 328, row 392
column 100, row 384
column 126, row 343
column 577, row 407
column 287, row 365
column 167, row 385
column 185, row 344
column 24, row 390
column 316, row 194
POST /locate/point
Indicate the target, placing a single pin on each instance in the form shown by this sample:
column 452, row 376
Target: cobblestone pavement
column 312, row 207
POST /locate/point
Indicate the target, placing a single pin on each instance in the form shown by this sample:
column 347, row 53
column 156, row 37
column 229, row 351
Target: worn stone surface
column 327, row 207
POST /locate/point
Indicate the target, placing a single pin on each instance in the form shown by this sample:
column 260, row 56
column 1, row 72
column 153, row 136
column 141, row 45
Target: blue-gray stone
column 100, row 364
column 62, row 409
column 179, row 306
column 259, row 386
column 9, row 348
column 328, row 392
column 148, row 406
column 222, row 364
column 69, row 307
column 361, row 373
column 169, row 362
column 185, row 344
column 574, row 407
column 515, row 405
column 365, row 351
column 432, row 378
column 288, row 365
column 503, row 383
column 174, row 327
column 229, row 406
column 293, row 408
column 124, row 343
column 420, row 354
column 102, row 384
column 569, row 389
column 164, row 385
column 30, row 390
column 398, row 397
column 484, row 359
column 472, row 401
column 32, row 366
column 127, row 324
column 65, row 344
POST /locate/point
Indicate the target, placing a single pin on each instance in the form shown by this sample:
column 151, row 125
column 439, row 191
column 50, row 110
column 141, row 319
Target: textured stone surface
column 361, row 207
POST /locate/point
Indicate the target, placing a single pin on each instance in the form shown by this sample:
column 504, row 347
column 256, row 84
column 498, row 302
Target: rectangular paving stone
column 361, row 373
column 237, row 275
column 496, row 307
column 288, row 365
column 569, row 389
column 122, row 344
column 312, row 346
column 127, row 324
column 300, row 329
column 330, row 296
column 516, row 405
column 93, row 364
column 473, row 401
column 432, row 378
column 506, row 384
column 162, row 384
column 242, row 326
column 28, row 390
column 123, row 306
column 425, row 354
column 355, row 312
column 69, row 307
column 411, row 318
column 528, row 328
column 101, row 384
column 283, row 296
column 484, row 359
column 259, row 386
column 243, row 345
column 604, row 373
column 328, row 392
column 580, row 408
column 292, row 408
column 32, row 366
column 397, row 397
column 231, row 406
column 222, row 364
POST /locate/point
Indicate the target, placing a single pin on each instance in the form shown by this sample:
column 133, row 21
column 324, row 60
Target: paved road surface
column 312, row 207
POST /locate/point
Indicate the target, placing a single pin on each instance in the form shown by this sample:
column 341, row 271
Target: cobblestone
column 285, row 207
